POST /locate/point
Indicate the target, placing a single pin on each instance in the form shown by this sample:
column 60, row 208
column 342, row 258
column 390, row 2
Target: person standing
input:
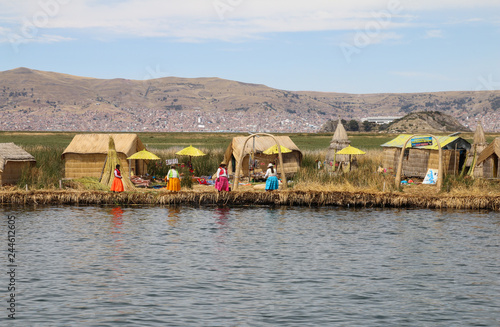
column 117, row 185
column 222, row 181
column 272, row 182
column 173, row 179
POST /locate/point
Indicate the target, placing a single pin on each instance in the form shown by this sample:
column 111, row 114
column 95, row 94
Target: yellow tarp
column 400, row 140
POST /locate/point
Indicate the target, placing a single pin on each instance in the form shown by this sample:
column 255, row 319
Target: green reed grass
column 86, row 183
column 48, row 169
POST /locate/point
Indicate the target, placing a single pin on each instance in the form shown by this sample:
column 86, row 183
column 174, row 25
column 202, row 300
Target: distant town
column 154, row 120
column 151, row 120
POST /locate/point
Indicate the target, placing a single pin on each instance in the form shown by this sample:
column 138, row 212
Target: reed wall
column 416, row 162
column 13, row 171
column 91, row 165
column 490, row 167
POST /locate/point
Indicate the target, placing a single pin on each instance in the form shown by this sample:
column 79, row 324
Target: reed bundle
column 108, row 173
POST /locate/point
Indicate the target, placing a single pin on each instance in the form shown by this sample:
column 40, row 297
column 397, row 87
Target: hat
column 270, row 165
column 222, row 164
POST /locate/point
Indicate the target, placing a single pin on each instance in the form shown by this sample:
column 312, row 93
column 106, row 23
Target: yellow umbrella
column 350, row 150
column 190, row 151
column 144, row 155
column 274, row 150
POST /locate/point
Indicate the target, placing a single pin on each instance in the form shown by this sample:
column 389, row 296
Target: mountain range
column 40, row 100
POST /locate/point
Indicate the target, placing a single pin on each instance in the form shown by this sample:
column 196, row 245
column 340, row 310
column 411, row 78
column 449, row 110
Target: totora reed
column 236, row 198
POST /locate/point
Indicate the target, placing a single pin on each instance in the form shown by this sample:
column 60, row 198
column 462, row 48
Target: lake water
column 160, row 266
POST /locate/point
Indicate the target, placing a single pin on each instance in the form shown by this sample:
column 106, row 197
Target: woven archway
column 238, row 165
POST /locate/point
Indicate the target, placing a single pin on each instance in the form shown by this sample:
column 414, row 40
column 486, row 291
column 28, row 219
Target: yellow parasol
column 274, row 150
column 144, row 155
column 190, row 151
column 350, row 150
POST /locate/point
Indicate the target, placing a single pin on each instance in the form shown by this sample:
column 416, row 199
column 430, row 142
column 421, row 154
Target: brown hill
column 426, row 122
column 39, row 100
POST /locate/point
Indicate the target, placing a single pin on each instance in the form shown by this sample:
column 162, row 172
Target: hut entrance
column 495, row 165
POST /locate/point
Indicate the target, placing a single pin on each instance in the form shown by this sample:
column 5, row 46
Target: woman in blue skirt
column 272, row 178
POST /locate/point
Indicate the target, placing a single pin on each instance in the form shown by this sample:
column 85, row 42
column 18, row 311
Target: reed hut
column 339, row 141
column 13, row 159
column 489, row 159
column 85, row 156
column 478, row 145
column 291, row 160
column 419, row 159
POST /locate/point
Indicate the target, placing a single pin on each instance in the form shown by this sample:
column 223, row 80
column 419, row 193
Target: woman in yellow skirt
column 117, row 185
column 173, row 179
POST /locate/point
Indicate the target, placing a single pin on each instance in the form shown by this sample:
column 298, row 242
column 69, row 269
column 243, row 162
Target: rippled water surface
column 158, row 266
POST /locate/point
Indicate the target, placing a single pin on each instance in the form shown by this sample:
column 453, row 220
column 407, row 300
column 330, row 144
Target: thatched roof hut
column 339, row 141
column 291, row 160
column 417, row 160
column 85, row 156
column 13, row 159
column 489, row 158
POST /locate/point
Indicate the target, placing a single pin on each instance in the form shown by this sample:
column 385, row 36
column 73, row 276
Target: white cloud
column 430, row 34
column 218, row 19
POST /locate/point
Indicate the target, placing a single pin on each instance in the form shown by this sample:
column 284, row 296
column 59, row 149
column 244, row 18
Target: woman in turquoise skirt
column 272, row 178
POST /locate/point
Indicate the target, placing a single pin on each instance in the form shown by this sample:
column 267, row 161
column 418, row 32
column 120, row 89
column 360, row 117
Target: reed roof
column 493, row 148
column 127, row 144
column 262, row 143
column 12, row 152
column 340, row 134
column 479, row 137
column 445, row 141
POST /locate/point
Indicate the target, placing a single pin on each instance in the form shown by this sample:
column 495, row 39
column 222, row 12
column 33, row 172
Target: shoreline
column 249, row 198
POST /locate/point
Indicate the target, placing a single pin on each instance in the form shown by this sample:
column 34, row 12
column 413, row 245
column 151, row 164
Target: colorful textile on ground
column 117, row 185
column 174, row 184
column 272, row 183
column 222, row 184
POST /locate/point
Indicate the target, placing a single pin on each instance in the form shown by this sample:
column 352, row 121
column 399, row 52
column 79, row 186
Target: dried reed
column 108, row 174
column 282, row 198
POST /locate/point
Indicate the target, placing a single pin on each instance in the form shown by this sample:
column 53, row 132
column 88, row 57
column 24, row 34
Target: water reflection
column 222, row 215
column 117, row 219
column 173, row 216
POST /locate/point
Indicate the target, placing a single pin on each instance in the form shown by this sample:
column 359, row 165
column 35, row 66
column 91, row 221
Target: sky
column 348, row 46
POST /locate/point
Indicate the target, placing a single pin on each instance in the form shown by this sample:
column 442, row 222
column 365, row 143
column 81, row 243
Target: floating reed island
column 251, row 198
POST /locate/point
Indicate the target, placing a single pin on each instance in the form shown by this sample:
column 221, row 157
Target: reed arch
column 243, row 153
column 439, row 182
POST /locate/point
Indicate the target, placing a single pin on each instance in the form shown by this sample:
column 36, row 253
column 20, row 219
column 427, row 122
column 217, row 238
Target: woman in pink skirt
column 222, row 181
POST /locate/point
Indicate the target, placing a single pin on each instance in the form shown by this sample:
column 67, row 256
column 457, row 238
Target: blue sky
column 355, row 46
